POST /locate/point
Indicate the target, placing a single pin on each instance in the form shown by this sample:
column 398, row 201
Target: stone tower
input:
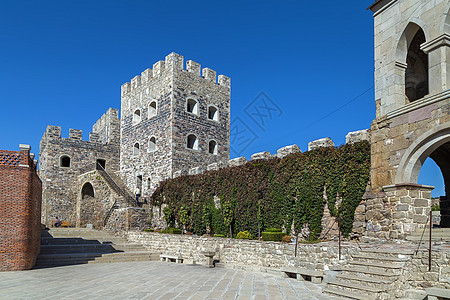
column 174, row 121
column 63, row 160
column 412, row 81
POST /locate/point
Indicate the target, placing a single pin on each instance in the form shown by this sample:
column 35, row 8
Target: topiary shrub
column 272, row 234
column 286, row 239
column 219, row 235
column 244, row 235
column 171, row 230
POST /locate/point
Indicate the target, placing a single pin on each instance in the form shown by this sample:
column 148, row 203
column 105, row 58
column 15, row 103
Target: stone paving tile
column 154, row 281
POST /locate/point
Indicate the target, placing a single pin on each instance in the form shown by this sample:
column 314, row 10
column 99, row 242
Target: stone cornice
column 442, row 40
column 380, row 6
column 418, row 104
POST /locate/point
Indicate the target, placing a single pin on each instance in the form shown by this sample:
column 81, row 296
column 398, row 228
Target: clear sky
column 300, row 70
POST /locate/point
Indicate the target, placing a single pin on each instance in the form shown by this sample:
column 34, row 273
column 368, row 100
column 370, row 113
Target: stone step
column 357, row 271
column 77, row 248
column 346, row 294
column 387, row 252
column 416, row 238
column 124, row 257
column 376, row 266
column 355, row 287
column 364, row 280
column 387, row 259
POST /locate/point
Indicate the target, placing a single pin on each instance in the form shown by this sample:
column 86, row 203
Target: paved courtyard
column 151, row 280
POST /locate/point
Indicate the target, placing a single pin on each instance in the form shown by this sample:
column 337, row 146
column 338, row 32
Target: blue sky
column 63, row 62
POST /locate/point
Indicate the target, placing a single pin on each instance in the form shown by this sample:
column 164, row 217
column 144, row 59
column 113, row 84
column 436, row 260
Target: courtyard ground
column 151, row 280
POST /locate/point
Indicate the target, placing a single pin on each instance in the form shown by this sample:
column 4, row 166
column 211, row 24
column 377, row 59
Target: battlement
column 174, row 63
column 351, row 138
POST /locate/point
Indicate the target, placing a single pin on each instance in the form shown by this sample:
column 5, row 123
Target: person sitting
column 57, row 222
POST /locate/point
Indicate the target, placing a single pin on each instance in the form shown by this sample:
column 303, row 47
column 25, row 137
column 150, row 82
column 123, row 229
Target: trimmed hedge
column 272, row 236
column 171, row 230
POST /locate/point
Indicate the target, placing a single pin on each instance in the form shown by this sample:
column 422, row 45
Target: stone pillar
column 438, row 51
column 398, row 210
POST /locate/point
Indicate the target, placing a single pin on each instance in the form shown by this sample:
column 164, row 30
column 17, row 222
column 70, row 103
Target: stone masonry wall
column 60, row 189
column 20, row 210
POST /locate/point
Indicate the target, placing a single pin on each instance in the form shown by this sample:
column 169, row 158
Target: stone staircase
column 371, row 274
column 69, row 246
column 437, row 235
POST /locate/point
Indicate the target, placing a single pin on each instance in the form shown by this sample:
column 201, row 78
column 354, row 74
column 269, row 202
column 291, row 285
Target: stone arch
column 414, row 157
column 87, row 191
column 407, row 36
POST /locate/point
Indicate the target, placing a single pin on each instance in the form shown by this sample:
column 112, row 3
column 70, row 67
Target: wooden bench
column 171, row 258
column 63, row 224
column 303, row 274
column 437, row 293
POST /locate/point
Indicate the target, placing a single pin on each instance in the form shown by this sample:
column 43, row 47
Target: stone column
column 438, row 51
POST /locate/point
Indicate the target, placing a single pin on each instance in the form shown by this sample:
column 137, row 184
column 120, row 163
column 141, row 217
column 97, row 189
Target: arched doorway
column 87, row 191
column 434, row 144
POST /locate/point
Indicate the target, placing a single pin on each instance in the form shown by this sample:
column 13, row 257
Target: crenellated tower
column 173, row 119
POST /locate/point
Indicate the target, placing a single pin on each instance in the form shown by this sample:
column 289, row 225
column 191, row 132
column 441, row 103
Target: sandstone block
column 238, row 161
column 261, row 155
column 420, row 219
column 320, row 143
column 421, row 203
column 282, row 152
column 357, row 136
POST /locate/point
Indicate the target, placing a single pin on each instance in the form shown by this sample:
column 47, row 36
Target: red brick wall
column 20, row 211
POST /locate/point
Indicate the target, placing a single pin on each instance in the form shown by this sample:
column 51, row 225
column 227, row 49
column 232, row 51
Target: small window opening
column 192, row 106
column 65, row 161
column 152, row 144
column 136, row 116
column 152, row 109
column 416, row 76
column 102, row 163
column 136, row 149
column 149, row 183
column 192, row 142
column 213, row 114
column 212, row 147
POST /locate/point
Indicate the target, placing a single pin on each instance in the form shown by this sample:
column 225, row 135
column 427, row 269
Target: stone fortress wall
column 160, row 110
column 63, row 159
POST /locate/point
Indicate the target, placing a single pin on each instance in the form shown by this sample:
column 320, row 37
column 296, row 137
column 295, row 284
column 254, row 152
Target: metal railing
column 114, row 185
column 430, row 221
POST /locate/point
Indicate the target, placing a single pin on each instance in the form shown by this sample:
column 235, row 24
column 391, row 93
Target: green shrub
column 149, row 230
column 219, row 235
column 273, row 230
column 436, row 207
column 286, row 239
column 272, row 236
column 244, row 235
column 171, row 230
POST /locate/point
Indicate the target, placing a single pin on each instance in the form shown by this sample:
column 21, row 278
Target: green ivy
column 273, row 193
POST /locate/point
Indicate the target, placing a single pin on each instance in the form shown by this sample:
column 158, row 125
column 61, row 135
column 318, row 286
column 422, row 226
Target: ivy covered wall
column 270, row 193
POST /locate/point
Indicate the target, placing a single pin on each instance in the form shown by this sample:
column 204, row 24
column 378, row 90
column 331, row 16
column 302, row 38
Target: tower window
column 152, row 144
column 136, row 116
column 192, row 142
column 136, row 149
column 212, row 147
column 152, row 109
column 416, row 76
column 64, row 161
column 192, row 106
column 213, row 113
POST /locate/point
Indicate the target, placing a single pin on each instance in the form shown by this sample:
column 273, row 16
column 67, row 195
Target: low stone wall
column 249, row 254
column 416, row 271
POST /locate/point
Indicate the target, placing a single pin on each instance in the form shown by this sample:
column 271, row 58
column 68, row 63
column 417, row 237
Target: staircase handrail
column 113, row 183
column 108, row 214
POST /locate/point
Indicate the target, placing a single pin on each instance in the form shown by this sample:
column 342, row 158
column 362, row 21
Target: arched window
column 152, row 109
column 416, row 76
column 64, row 161
column 192, row 106
column 212, row 147
column 136, row 116
column 213, row 113
column 87, row 191
column 152, row 144
column 136, row 149
column 192, row 142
